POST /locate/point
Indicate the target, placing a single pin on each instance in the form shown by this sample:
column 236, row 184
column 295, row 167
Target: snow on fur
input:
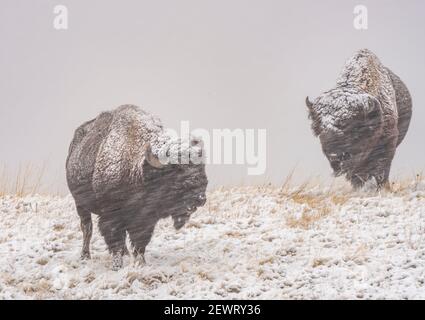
column 362, row 75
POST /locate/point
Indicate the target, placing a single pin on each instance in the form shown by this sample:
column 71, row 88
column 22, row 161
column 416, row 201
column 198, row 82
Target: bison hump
column 121, row 156
column 84, row 148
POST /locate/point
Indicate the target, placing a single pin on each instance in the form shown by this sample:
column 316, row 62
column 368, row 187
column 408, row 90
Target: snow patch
column 245, row 243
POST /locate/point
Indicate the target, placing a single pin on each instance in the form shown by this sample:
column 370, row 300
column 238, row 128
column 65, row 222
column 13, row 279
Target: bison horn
column 197, row 142
column 151, row 158
column 308, row 103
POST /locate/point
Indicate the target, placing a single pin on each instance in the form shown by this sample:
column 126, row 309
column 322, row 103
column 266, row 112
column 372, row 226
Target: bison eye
column 333, row 157
column 345, row 156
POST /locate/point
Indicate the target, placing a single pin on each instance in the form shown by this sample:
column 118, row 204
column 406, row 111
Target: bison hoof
column 117, row 261
column 85, row 255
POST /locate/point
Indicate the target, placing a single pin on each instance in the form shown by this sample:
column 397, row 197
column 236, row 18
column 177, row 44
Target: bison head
column 178, row 188
column 190, row 186
column 348, row 125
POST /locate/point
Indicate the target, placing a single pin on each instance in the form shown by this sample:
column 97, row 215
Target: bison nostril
column 336, row 165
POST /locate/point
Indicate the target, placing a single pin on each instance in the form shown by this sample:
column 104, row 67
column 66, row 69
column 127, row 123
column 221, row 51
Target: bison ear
column 309, row 104
column 196, row 142
column 315, row 125
column 152, row 159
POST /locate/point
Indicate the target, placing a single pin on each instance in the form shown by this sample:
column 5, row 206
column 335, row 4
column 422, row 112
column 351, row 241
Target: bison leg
column 382, row 169
column 382, row 177
column 140, row 237
column 357, row 181
column 87, row 229
column 377, row 166
column 113, row 231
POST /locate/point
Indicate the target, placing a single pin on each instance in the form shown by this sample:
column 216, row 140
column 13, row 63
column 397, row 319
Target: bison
column 114, row 170
column 362, row 120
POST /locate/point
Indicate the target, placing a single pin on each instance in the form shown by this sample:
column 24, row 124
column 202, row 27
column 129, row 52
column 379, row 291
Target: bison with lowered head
column 362, row 120
column 114, row 170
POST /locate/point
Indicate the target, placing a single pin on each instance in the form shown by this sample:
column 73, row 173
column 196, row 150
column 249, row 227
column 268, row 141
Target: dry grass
column 314, row 199
column 308, row 217
column 317, row 202
column 205, row 276
column 42, row 261
column 266, row 261
column 402, row 186
column 339, row 199
column 25, row 180
column 58, row 227
column 233, row 234
column 317, row 262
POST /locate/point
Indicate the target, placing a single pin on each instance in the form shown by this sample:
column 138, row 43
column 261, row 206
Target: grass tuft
column 25, row 180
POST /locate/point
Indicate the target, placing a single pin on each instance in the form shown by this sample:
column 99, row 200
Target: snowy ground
column 250, row 242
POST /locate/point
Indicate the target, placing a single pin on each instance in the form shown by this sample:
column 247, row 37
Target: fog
column 217, row 64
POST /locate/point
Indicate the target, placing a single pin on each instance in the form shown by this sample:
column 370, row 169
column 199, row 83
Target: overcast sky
column 218, row 64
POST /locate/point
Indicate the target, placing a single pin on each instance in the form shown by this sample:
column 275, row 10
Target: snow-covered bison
column 362, row 120
column 114, row 171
